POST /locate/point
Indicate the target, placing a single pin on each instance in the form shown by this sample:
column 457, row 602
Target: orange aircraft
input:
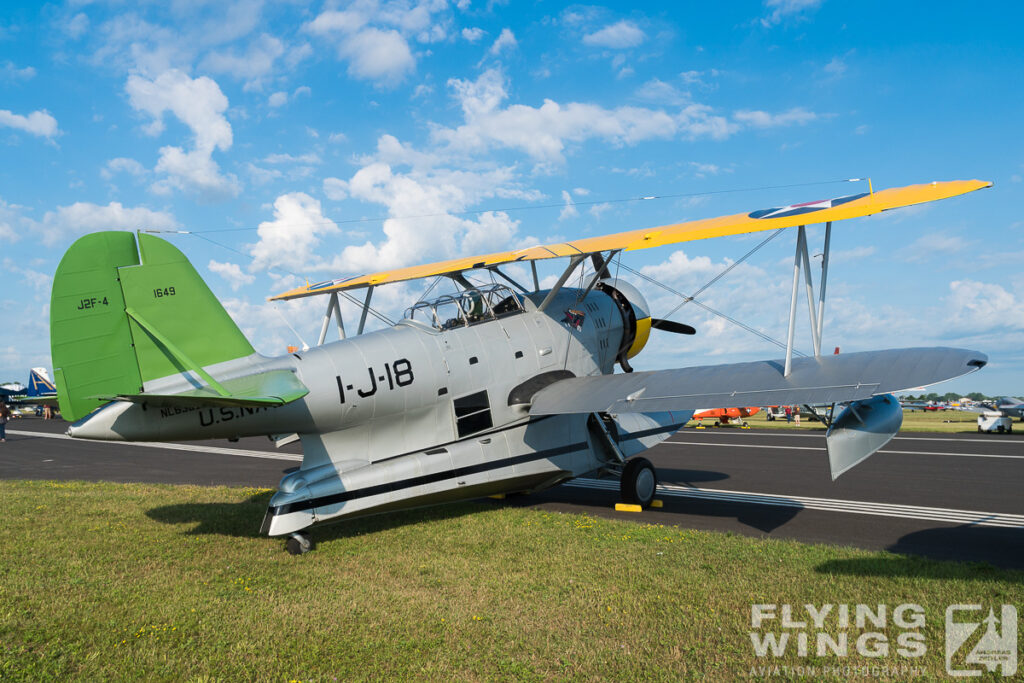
column 726, row 415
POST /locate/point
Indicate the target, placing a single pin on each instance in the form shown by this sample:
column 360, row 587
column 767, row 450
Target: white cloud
column 200, row 105
column 38, row 282
column 290, row 241
column 425, row 206
column 38, row 123
column 83, row 217
column 854, row 254
column 348, row 21
column 697, row 77
column 936, row 244
column 983, row 307
column 569, row 210
column 377, row 55
column 835, row 68
column 251, row 66
column 77, row 25
column 544, row 131
column 618, row 36
column 10, row 72
column 194, row 171
column 335, row 189
column 762, row 119
column 233, row 273
column 656, row 90
column 298, row 54
column 280, row 98
column 307, row 158
column 701, row 170
column 10, row 221
column 151, row 38
column 473, row 34
column 122, row 165
column 782, row 10
column 262, row 176
column 506, row 40
column 373, row 37
column 422, row 227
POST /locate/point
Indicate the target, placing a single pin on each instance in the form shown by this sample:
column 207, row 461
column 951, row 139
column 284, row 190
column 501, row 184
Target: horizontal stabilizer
column 273, row 388
column 826, row 379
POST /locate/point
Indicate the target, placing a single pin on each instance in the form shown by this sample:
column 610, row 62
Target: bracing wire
column 709, row 309
column 725, row 272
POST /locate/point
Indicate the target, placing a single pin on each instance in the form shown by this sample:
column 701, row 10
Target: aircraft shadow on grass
column 243, row 519
column 976, row 552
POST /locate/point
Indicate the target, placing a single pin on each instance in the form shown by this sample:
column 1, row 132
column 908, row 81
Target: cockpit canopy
column 466, row 308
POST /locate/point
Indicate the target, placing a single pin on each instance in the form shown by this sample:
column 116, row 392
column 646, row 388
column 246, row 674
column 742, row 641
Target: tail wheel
column 639, row 482
column 299, row 544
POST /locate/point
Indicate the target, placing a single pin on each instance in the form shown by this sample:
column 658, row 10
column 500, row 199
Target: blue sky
column 310, row 140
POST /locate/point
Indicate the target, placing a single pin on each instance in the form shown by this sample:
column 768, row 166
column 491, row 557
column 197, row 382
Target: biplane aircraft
column 494, row 389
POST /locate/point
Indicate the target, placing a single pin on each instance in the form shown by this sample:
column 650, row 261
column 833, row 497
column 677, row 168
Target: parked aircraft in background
column 925, row 406
column 39, row 391
column 726, row 416
column 1005, row 406
column 493, row 389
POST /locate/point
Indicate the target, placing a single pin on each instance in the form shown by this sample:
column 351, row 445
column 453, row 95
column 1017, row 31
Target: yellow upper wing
column 837, row 209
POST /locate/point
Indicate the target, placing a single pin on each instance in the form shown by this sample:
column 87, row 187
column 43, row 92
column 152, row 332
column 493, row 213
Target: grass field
column 949, row 421
column 144, row 582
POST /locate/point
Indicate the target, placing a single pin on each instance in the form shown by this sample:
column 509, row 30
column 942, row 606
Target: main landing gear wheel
column 638, row 482
column 299, row 544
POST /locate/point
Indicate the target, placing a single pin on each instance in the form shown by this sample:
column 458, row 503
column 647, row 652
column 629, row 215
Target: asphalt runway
column 948, row 496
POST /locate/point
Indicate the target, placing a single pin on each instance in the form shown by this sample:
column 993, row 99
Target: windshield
column 466, row 308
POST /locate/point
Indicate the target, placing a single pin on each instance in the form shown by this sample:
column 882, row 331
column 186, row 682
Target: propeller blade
column 672, row 326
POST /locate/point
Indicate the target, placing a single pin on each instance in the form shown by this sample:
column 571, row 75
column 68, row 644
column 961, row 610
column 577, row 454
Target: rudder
column 122, row 316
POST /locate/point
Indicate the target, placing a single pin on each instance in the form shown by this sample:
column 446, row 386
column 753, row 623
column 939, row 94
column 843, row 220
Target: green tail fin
column 120, row 317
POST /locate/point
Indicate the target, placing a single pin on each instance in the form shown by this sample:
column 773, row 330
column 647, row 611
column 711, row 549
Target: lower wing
column 861, row 380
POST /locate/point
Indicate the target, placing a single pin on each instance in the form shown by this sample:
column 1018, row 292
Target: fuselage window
column 472, row 413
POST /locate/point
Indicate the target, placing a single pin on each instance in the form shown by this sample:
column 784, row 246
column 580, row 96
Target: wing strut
column 802, row 261
column 573, row 262
column 497, row 271
column 333, row 308
column 824, row 279
column 366, row 309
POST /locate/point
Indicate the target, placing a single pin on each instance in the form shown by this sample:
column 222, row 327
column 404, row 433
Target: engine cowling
column 636, row 318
